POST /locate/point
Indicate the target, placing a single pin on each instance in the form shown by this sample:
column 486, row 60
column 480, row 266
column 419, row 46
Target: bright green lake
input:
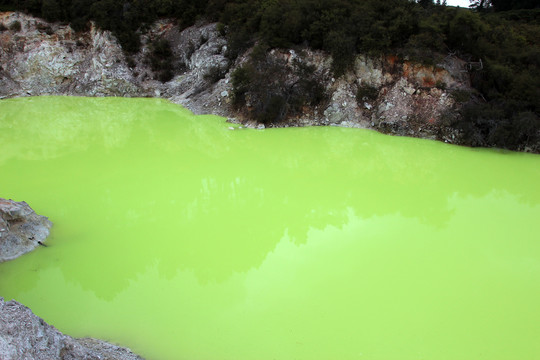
column 182, row 239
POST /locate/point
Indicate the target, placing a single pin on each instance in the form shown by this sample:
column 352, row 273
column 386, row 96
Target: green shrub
column 276, row 90
column 460, row 96
column 273, row 110
column 342, row 48
column 242, row 81
column 160, row 58
column 161, row 49
column 221, row 29
column 51, row 10
column 259, row 52
column 237, row 43
column 499, row 125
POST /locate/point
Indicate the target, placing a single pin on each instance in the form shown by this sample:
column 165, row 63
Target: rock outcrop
column 43, row 58
column 52, row 59
column 21, row 229
column 25, row 336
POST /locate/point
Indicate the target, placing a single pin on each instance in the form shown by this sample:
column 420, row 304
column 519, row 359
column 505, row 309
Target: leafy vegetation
column 160, row 58
column 276, row 91
column 500, row 40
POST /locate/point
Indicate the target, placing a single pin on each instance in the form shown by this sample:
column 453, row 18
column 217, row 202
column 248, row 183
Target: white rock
column 409, row 90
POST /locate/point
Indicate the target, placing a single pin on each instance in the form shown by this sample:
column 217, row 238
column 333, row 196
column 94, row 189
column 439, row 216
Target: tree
column 425, row 3
column 51, row 10
column 503, row 5
column 480, row 4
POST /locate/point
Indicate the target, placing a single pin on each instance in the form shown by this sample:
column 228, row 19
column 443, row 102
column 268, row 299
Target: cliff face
column 406, row 98
column 44, row 58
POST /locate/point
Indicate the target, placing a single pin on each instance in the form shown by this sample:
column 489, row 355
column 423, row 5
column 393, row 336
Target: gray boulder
column 21, row 229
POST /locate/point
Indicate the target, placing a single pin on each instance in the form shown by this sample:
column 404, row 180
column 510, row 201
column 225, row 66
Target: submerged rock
column 21, row 229
column 25, row 336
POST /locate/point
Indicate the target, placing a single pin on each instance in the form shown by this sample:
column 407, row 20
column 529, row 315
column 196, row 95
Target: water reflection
column 156, row 209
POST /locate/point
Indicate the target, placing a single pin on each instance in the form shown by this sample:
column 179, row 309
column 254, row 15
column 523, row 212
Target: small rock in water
column 24, row 229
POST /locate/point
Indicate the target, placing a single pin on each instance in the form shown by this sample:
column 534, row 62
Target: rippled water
column 183, row 239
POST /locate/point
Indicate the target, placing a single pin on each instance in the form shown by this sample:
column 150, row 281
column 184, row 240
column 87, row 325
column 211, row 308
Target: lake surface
column 183, row 239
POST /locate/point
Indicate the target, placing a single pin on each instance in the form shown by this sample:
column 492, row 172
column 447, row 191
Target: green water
column 183, row 239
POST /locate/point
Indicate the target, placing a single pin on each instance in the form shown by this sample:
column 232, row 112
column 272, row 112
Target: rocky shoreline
column 52, row 59
column 23, row 335
column 39, row 58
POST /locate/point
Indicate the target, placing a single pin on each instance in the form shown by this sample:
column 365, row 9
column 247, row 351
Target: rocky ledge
column 25, row 336
column 404, row 98
column 21, row 229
